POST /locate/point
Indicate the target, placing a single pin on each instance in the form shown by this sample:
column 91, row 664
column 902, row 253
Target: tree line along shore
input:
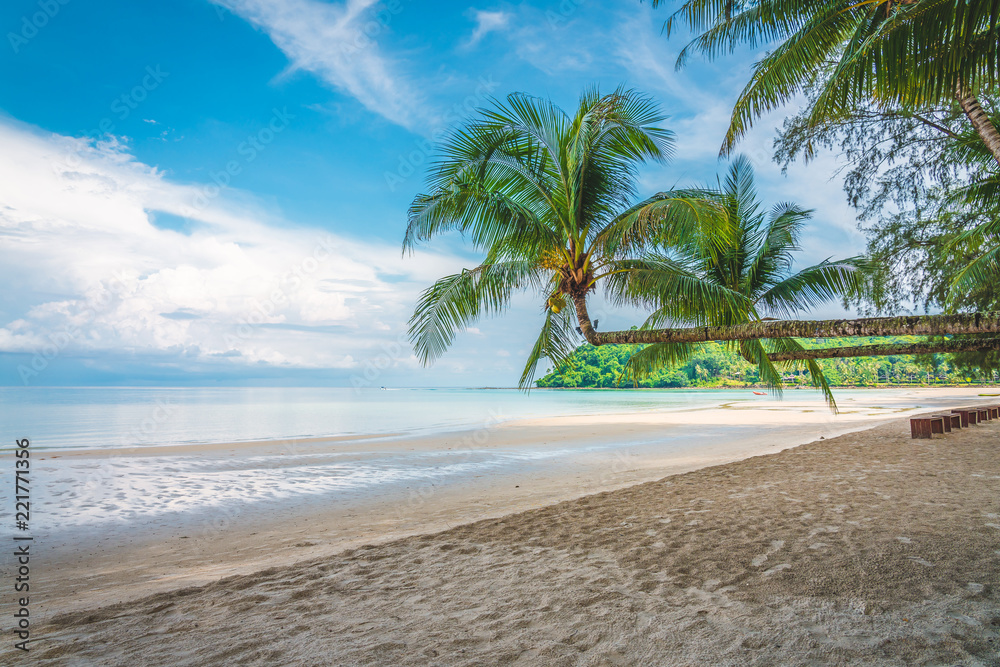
column 713, row 365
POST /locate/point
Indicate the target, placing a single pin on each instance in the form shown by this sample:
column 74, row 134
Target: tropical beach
column 370, row 332
column 783, row 546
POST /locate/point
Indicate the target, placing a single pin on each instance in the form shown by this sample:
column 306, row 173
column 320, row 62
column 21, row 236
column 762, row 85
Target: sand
column 143, row 545
column 866, row 548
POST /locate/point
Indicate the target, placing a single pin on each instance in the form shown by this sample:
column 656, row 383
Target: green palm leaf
column 556, row 341
column 534, row 188
column 457, row 301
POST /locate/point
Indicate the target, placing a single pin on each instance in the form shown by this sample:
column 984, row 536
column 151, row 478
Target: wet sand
column 867, row 547
column 156, row 518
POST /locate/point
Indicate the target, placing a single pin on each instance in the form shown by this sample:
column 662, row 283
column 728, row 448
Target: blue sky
column 201, row 192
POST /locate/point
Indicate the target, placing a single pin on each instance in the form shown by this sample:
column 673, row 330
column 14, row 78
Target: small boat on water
column 761, row 393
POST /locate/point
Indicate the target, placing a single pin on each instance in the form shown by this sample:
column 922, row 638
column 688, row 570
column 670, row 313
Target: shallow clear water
column 100, row 417
column 81, row 493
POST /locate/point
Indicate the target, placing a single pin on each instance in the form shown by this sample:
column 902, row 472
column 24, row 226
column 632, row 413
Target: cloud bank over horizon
column 109, row 255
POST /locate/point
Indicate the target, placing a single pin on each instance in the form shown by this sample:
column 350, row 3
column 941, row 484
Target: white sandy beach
column 820, row 550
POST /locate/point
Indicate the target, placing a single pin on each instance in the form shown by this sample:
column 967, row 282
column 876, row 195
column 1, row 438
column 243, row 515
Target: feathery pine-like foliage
column 928, row 198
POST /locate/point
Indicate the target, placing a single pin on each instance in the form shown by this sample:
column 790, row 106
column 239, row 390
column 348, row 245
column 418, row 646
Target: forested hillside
column 714, row 366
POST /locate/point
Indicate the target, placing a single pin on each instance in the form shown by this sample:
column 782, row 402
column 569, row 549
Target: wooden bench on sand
column 952, row 422
column 969, row 416
column 923, row 427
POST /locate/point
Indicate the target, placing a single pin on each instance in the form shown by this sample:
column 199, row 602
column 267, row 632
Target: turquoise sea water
column 75, row 495
column 100, row 417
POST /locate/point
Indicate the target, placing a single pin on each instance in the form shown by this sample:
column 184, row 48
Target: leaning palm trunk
column 945, row 346
column 920, row 325
column 980, row 121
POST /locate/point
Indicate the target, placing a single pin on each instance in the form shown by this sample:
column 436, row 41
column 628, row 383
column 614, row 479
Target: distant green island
column 715, row 366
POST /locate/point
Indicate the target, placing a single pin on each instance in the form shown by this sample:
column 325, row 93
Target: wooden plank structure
column 959, row 418
column 952, row 422
column 969, row 416
column 924, row 427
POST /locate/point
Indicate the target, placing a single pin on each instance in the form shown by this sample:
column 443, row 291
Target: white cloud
column 89, row 272
column 340, row 44
column 486, row 22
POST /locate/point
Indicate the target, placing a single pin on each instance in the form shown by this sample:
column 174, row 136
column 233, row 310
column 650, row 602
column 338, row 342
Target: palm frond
column 675, row 292
column 652, row 358
column 456, row 301
column 813, row 286
column 753, row 351
column 672, row 218
column 984, row 270
column 816, row 375
column 776, row 244
column 556, row 342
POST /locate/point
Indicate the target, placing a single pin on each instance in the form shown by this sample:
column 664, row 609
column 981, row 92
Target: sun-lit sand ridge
column 867, row 547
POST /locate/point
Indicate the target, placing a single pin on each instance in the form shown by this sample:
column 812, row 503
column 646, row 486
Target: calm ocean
column 100, row 417
column 169, row 490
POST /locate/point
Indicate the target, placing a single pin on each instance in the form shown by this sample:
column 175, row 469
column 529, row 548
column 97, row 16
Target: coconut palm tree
column 752, row 264
column 549, row 198
column 886, row 53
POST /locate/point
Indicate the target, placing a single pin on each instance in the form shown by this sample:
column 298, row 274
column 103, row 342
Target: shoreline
column 169, row 448
column 865, row 547
column 92, row 566
column 43, row 444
